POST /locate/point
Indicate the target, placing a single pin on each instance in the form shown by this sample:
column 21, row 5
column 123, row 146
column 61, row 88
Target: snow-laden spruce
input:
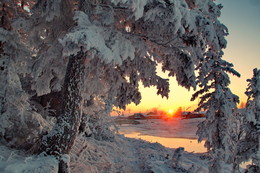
column 65, row 64
column 250, row 144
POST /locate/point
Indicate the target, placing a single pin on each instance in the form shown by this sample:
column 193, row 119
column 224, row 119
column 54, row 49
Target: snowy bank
column 14, row 161
column 120, row 155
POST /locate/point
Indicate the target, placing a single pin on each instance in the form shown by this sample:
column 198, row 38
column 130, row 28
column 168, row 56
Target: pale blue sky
column 242, row 17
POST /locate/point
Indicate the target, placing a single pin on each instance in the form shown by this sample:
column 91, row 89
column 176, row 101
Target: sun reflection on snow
column 190, row 145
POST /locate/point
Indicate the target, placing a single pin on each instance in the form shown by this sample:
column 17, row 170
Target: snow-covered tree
column 249, row 146
column 244, row 129
column 215, row 96
column 19, row 124
column 220, row 103
column 236, row 134
column 81, row 54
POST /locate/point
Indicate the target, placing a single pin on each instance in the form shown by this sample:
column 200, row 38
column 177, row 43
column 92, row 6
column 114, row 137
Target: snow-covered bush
column 16, row 161
column 96, row 121
column 20, row 125
column 176, row 158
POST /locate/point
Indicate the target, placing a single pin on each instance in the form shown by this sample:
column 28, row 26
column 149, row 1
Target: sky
column 243, row 50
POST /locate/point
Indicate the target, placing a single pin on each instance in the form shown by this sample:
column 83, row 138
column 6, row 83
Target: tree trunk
column 60, row 139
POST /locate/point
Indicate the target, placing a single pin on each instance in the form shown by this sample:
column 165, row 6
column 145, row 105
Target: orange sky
column 178, row 97
column 241, row 18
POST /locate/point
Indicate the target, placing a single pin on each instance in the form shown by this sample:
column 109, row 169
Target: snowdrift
column 120, row 155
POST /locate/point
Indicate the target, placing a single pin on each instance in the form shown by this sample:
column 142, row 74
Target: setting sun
column 170, row 111
column 169, row 114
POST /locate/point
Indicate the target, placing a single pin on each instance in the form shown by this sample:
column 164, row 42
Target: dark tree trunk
column 60, row 139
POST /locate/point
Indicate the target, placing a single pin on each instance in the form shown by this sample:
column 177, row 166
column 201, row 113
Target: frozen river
column 172, row 133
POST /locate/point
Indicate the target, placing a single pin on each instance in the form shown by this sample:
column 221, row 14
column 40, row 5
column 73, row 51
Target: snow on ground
column 119, row 155
column 126, row 155
column 14, row 161
column 123, row 155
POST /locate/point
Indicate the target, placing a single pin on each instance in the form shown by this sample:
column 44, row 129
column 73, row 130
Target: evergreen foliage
column 251, row 142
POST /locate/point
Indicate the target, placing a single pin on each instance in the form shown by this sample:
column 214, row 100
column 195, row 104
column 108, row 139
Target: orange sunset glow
column 170, row 112
column 151, row 102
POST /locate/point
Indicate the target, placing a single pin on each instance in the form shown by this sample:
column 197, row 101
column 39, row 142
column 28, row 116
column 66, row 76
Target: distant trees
column 66, row 63
column 242, row 105
column 178, row 112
